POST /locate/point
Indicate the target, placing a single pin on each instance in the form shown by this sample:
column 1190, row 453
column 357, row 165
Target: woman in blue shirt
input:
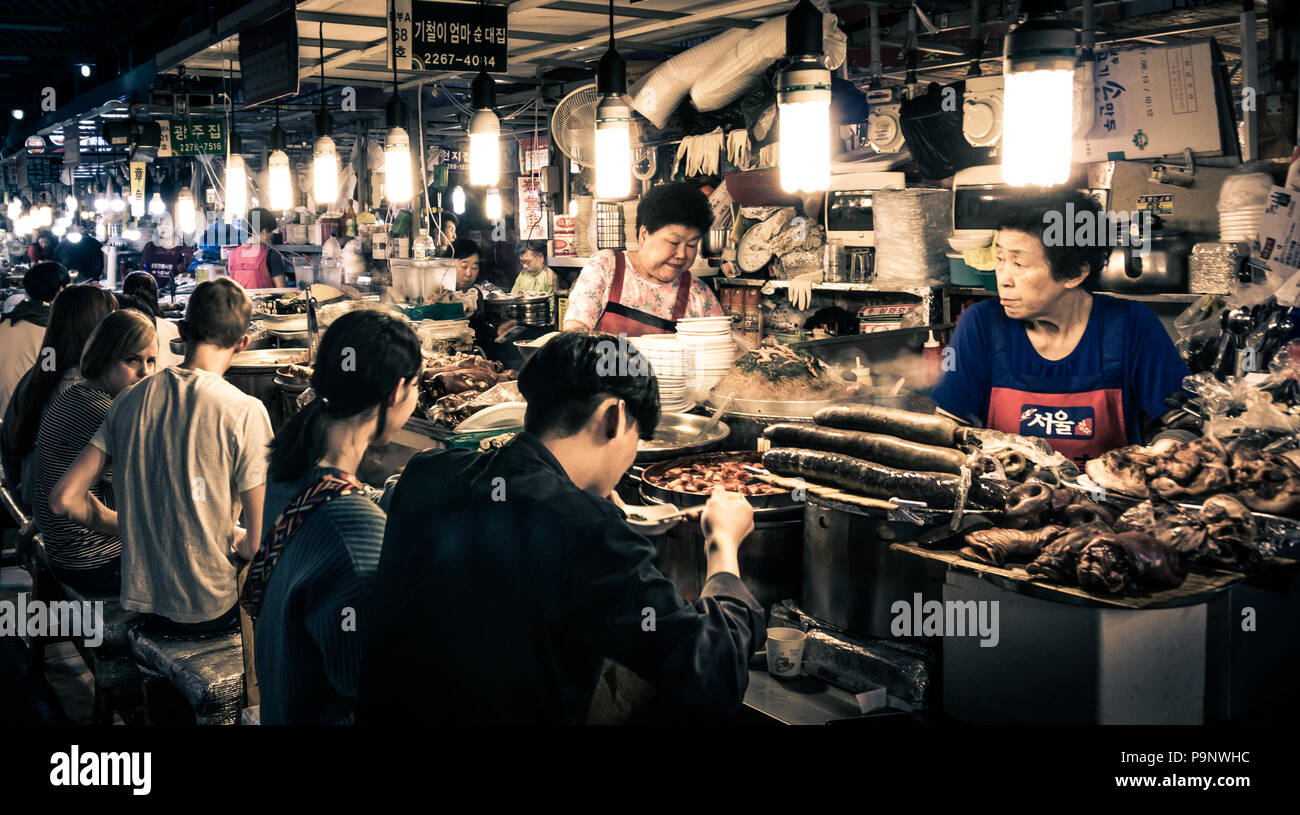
column 1049, row 358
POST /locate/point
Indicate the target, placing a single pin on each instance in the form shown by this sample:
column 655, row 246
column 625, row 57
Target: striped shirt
column 67, row 425
column 308, row 643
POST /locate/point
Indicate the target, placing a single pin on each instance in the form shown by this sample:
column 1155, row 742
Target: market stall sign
column 268, row 59
column 193, row 137
column 43, row 170
column 428, row 36
column 137, row 184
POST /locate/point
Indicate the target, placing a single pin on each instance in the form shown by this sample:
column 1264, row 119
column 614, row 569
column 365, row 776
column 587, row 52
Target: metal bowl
column 675, row 437
column 764, row 505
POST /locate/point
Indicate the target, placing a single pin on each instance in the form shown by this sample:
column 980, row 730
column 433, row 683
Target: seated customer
column 507, row 577
column 534, row 275
column 143, row 286
column 122, row 350
column 23, row 329
column 74, row 315
column 183, row 444
column 321, row 534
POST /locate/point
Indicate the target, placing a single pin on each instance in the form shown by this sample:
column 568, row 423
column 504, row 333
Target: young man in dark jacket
column 507, row 577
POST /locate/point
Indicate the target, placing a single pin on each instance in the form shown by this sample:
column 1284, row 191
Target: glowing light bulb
column 74, row 235
column 116, row 204
column 44, row 215
column 70, row 203
column 804, row 101
column 281, row 193
column 1037, row 127
column 137, row 206
column 613, row 147
column 236, row 187
column 458, row 200
column 397, row 166
column 15, row 209
column 131, row 234
column 156, row 205
column 101, row 203
column 492, row 205
column 186, row 215
column 59, row 230
column 325, row 172
column 484, row 149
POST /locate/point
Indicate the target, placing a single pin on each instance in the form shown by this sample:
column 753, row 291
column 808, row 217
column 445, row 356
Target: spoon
column 654, row 514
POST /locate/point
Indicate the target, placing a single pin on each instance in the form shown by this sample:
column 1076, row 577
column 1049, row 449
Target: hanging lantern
column 458, row 200
column 156, row 205
column 1038, row 100
column 484, row 135
column 492, row 205
column 397, row 166
column 186, row 215
column 325, row 172
column 613, row 123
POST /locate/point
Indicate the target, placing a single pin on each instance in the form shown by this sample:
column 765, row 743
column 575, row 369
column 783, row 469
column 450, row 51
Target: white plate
column 504, row 415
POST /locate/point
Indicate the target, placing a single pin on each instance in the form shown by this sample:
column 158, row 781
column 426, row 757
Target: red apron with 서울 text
column 1080, row 417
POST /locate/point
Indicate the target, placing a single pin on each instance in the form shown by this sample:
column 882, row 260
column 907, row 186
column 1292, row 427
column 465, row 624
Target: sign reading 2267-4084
column 427, row 36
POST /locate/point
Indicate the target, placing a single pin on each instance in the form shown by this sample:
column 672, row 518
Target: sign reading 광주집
column 193, row 137
column 429, row 36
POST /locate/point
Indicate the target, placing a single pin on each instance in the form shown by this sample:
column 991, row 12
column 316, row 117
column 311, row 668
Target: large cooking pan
column 773, row 408
column 766, row 504
column 675, row 437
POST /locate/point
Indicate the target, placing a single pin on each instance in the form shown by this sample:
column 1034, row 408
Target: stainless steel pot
column 851, row 577
column 770, row 560
column 1163, row 268
column 676, row 436
column 253, row 372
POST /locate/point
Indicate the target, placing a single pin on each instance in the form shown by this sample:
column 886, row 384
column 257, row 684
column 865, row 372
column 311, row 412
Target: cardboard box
column 1157, row 101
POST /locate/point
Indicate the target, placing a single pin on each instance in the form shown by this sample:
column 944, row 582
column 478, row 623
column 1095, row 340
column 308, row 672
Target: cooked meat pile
column 1071, row 540
column 450, row 382
column 703, row 477
column 1265, row 482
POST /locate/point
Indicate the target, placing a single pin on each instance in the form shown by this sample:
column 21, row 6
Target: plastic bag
column 912, row 226
column 933, row 132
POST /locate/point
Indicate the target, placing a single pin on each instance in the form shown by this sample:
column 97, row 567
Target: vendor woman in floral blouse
column 649, row 290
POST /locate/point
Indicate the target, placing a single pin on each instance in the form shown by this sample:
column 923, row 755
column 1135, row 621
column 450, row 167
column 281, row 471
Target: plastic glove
column 800, row 290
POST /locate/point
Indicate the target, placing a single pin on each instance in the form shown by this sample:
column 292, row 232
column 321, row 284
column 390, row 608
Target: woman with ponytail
column 311, row 578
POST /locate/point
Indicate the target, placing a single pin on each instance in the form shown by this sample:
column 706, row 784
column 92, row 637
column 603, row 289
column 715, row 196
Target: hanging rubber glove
column 800, row 289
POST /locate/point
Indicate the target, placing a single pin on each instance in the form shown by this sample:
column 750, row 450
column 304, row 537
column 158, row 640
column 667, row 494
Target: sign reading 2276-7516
column 427, row 36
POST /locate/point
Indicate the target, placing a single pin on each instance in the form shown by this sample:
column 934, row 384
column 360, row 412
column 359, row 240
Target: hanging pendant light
column 70, row 203
column 44, row 216
column 277, row 164
column 804, row 103
column 397, row 149
column 137, row 206
column 492, row 205
column 186, row 215
column 1038, row 98
column 458, row 200
column 15, row 209
column 156, row 205
column 484, row 134
column 613, row 123
column 74, row 234
column 325, row 157
column 236, row 181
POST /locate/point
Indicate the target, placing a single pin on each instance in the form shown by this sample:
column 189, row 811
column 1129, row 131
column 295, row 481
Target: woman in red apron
column 649, row 290
column 251, row 265
column 1048, row 358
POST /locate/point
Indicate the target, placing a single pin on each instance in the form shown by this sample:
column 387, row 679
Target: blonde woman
column 122, row 350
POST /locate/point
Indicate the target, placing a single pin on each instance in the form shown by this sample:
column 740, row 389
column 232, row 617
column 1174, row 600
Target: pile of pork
column 451, row 384
column 1068, row 539
column 1182, row 471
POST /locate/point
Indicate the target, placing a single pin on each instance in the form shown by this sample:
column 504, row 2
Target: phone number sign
column 428, row 36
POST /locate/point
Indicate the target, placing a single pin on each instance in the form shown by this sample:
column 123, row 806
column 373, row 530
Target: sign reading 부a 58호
column 428, row 36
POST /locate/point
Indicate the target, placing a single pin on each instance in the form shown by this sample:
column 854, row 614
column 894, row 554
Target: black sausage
column 889, row 450
column 920, row 427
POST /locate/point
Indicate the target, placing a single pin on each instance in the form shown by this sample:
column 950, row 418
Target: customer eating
column 504, row 609
column 1049, row 358
column 122, row 350
column 23, row 329
column 310, row 585
column 647, row 291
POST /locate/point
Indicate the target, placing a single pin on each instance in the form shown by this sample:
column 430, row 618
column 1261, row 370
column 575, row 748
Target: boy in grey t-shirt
column 183, row 443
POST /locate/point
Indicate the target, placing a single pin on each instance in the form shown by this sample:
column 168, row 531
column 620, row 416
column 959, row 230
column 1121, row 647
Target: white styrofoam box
column 1151, row 102
column 1056, row 663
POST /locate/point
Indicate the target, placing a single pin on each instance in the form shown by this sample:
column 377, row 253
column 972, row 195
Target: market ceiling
column 133, row 46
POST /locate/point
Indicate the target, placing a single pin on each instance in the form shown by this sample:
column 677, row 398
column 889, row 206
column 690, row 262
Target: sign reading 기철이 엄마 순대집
column 430, row 36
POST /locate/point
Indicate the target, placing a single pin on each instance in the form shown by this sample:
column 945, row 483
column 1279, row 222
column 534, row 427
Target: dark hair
column 218, row 313
column 145, row 287
column 568, row 377
column 674, row 203
column 73, row 317
column 1033, row 215
column 260, row 220
column 539, row 247
column 362, row 358
column 45, row 233
column 462, row 248
column 44, row 280
column 448, row 217
column 125, row 332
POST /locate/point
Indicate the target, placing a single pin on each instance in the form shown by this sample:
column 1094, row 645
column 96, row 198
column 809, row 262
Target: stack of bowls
column 670, row 358
column 713, row 351
column 1242, row 200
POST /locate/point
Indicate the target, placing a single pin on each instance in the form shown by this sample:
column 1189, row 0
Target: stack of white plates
column 709, row 338
column 670, row 358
